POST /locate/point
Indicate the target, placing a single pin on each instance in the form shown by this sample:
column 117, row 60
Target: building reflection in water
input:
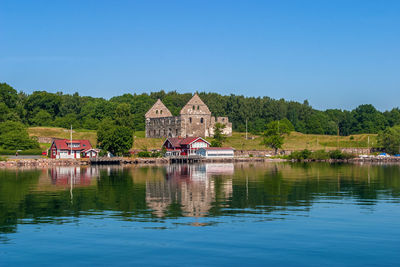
column 62, row 176
column 193, row 187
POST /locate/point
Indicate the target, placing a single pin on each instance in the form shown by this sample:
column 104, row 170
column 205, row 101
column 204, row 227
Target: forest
column 42, row 108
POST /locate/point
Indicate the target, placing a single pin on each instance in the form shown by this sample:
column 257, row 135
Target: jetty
column 185, row 159
column 105, row 161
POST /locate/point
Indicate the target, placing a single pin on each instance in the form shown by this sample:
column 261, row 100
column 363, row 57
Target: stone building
column 194, row 120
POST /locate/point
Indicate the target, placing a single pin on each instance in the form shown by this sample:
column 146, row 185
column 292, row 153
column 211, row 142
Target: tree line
column 42, row 108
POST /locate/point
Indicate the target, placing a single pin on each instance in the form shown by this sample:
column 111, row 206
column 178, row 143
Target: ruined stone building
column 195, row 120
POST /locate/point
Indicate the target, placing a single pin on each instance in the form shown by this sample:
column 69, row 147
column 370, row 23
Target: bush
column 300, row 155
column 319, row 155
column 144, row 154
column 337, row 154
column 155, row 154
column 3, row 159
column 23, row 152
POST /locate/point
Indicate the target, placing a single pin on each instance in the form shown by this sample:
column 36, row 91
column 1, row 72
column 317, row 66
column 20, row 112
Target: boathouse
column 216, row 152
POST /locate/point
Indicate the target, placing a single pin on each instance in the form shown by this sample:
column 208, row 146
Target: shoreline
column 45, row 162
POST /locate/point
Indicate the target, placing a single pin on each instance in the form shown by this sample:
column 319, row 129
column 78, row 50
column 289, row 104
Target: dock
column 185, row 159
column 105, row 161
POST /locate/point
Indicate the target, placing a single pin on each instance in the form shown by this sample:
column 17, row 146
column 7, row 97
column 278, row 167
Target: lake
column 194, row 215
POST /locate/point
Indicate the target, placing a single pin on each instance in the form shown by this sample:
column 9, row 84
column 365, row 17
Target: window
column 193, row 107
column 190, row 120
column 201, row 120
column 157, row 111
column 198, row 107
column 160, row 111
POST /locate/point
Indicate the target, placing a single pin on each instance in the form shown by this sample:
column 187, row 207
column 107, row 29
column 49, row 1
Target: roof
column 62, row 144
column 218, row 148
column 189, row 140
column 177, row 141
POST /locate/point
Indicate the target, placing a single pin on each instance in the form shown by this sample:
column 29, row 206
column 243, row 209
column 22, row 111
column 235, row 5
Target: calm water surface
column 196, row 215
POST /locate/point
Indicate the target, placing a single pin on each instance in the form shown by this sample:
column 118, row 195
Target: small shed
column 216, row 152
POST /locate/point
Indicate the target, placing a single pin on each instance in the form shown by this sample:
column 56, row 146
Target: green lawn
column 295, row 141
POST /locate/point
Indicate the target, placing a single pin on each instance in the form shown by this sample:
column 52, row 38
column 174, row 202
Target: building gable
column 195, row 106
column 158, row 110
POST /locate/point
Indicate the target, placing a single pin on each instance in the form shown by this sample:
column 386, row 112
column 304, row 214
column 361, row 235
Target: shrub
column 300, row 155
column 319, row 155
column 155, row 154
column 144, row 154
column 3, row 159
column 23, row 152
column 337, row 154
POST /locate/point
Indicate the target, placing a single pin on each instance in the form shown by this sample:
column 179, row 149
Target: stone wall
column 163, row 127
column 195, row 125
column 223, row 120
column 47, row 140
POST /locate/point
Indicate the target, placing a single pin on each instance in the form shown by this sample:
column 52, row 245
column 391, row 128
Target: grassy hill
column 295, row 141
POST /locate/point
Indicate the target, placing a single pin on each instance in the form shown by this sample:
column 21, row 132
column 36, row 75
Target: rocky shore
column 45, row 162
column 42, row 163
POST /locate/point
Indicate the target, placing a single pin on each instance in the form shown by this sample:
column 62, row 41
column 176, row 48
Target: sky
column 335, row 54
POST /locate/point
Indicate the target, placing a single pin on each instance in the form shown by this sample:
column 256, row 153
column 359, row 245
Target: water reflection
column 160, row 193
column 191, row 187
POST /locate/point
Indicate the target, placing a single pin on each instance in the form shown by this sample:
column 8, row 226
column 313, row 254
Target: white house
column 216, row 152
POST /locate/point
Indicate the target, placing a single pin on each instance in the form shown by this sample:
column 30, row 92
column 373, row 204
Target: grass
column 63, row 133
column 295, row 141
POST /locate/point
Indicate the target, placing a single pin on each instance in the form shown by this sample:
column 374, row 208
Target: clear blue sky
column 333, row 53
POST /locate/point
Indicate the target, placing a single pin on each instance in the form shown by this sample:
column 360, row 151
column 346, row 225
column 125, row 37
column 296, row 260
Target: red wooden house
column 65, row 149
column 184, row 146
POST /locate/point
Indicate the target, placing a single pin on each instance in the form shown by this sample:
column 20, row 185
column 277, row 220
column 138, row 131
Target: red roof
column 218, row 148
column 176, row 142
column 62, row 144
column 189, row 140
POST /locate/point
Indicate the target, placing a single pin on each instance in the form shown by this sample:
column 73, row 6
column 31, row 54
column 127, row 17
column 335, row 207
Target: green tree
column 113, row 138
column 274, row 134
column 4, row 111
column 123, row 116
column 219, row 136
column 14, row 135
column 42, row 118
column 389, row 140
column 8, row 95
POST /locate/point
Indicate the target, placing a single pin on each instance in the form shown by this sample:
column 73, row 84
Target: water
column 196, row 215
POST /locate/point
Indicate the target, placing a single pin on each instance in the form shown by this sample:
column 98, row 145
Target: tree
column 389, row 140
column 4, row 110
column 42, row 118
column 8, row 95
column 13, row 135
column 219, row 136
column 274, row 134
column 123, row 116
column 113, row 138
